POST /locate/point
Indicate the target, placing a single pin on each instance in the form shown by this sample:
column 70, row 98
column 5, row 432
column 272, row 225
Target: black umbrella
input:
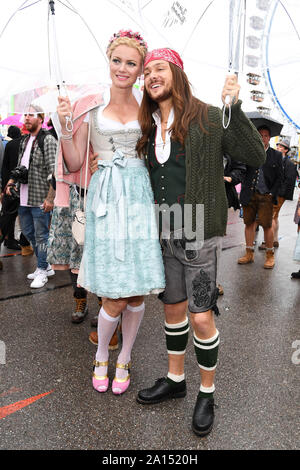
column 259, row 120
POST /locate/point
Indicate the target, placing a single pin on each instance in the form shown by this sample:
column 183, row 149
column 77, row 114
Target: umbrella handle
column 69, row 123
column 227, row 103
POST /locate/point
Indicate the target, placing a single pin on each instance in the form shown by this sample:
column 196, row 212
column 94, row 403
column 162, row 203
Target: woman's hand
column 231, row 88
column 93, row 163
column 64, row 109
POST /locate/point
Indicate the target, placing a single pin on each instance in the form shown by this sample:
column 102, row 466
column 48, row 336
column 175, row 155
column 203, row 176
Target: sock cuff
column 139, row 308
column 207, row 389
column 207, row 341
column 108, row 317
column 176, row 378
column 177, row 325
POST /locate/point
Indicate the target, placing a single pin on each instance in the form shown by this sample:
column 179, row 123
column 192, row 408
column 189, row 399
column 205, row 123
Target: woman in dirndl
column 122, row 259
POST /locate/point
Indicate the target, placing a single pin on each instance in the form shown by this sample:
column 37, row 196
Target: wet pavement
column 46, row 398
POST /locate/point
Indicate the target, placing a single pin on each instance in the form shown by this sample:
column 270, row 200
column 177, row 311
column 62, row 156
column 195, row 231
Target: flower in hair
column 128, row 33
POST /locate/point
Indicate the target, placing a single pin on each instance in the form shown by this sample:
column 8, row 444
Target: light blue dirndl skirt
column 122, row 254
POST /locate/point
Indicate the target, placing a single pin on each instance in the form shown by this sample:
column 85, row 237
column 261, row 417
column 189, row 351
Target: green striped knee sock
column 177, row 336
column 207, row 356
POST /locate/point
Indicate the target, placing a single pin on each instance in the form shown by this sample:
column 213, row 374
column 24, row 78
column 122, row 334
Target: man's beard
column 31, row 127
column 163, row 97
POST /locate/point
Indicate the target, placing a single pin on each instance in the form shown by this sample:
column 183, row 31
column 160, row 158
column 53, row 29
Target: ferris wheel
column 269, row 48
column 281, row 59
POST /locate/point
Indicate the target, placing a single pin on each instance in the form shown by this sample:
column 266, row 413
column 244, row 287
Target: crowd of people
column 111, row 160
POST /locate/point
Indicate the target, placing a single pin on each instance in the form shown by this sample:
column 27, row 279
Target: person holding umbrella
column 258, row 194
column 184, row 142
column 122, row 259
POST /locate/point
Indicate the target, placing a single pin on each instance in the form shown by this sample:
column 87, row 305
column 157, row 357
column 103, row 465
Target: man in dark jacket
column 286, row 191
column 234, row 173
column 259, row 193
column 9, row 205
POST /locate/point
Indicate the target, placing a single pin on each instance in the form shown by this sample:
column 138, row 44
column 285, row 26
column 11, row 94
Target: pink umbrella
column 16, row 120
column 13, row 120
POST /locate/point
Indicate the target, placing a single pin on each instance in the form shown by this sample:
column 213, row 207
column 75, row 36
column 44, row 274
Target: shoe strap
column 100, row 364
column 102, row 377
column 122, row 380
column 123, row 366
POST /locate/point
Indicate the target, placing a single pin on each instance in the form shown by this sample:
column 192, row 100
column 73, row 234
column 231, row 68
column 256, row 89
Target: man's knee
column 203, row 323
column 175, row 313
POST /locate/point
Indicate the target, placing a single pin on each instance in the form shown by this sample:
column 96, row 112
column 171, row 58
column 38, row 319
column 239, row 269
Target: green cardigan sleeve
column 241, row 140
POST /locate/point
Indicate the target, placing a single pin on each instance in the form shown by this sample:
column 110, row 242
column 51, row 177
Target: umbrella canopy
column 281, row 61
column 260, row 120
column 13, row 120
column 61, row 48
column 188, row 27
column 17, row 120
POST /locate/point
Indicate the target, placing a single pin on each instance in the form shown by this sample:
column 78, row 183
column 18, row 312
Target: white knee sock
column 131, row 320
column 106, row 328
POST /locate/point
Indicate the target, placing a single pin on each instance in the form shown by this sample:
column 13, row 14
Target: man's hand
column 231, row 88
column 47, row 206
column 9, row 184
column 93, row 163
column 228, row 179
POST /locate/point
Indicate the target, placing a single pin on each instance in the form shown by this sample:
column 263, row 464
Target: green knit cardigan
column 204, row 164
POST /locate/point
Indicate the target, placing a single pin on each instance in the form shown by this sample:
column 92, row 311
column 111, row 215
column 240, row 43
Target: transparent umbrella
column 205, row 33
column 281, row 59
column 49, row 47
column 256, row 38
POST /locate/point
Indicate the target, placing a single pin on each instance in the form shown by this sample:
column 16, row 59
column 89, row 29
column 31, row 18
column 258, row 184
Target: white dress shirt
column 162, row 149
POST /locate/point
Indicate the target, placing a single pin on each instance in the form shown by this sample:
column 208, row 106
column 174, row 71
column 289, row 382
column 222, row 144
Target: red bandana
column 164, row 54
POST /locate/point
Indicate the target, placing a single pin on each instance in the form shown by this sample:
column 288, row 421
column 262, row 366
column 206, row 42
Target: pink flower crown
column 128, row 34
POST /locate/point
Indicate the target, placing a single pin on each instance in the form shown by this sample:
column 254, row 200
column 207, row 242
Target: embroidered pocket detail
column 201, row 289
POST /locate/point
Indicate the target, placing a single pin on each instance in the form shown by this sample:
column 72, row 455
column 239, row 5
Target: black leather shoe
column 295, row 275
column 161, row 391
column 12, row 244
column 203, row 417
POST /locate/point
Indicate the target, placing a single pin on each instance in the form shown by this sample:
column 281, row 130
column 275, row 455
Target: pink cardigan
column 63, row 177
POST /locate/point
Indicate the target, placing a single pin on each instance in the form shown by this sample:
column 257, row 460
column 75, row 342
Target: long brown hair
column 187, row 109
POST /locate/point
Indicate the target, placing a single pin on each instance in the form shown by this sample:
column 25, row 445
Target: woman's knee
column 135, row 301
column 114, row 307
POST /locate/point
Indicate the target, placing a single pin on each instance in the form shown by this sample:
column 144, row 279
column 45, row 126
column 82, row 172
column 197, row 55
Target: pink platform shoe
column 100, row 383
column 120, row 386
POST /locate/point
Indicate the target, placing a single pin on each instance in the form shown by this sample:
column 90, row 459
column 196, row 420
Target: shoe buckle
column 124, row 366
